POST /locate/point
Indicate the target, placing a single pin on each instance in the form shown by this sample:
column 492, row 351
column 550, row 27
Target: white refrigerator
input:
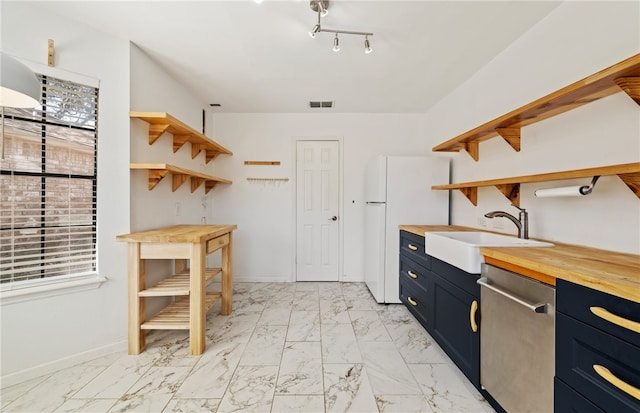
column 398, row 191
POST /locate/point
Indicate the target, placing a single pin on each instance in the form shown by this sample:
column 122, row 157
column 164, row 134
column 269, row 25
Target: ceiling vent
column 316, row 104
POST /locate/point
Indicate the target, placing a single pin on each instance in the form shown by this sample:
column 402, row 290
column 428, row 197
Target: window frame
column 25, row 290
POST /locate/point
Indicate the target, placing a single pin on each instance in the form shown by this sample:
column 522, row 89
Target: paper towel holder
column 587, row 189
column 580, row 190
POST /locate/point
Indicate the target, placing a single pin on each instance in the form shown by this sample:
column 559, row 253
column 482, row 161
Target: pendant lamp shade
column 19, row 87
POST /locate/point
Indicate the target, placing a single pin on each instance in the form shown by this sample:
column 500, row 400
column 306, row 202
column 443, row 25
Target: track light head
column 336, row 44
column 367, row 46
column 315, row 30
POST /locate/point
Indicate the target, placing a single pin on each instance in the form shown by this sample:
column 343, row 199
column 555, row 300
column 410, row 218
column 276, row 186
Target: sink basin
column 462, row 248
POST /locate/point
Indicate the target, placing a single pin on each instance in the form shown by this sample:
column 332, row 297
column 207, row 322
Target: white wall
column 574, row 41
column 264, row 241
column 44, row 334
column 153, row 90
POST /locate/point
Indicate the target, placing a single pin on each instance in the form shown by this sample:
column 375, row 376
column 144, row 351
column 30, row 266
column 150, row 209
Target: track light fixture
column 321, row 7
column 315, row 30
column 367, row 46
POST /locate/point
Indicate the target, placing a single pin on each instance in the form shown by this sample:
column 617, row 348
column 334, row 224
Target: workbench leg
column 136, row 303
column 180, row 265
column 197, row 313
column 227, row 277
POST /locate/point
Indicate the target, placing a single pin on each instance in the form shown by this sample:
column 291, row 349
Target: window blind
column 48, row 180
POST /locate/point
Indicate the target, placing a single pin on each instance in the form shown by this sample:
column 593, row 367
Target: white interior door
column 317, row 208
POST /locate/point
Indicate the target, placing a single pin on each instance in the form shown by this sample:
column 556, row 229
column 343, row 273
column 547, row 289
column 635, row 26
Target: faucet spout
column 522, row 223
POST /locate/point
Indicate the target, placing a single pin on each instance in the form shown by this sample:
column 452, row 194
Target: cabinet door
column 452, row 327
column 567, row 400
column 412, row 245
column 581, row 354
column 611, row 314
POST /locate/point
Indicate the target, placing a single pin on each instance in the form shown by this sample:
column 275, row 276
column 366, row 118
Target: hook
column 586, row 189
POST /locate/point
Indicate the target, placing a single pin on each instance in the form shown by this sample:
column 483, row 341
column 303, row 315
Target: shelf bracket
column 511, row 135
column 473, row 149
column 208, row 186
column 630, row 86
column 196, row 148
column 632, row 180
column 471, row 193
column 209, row 155
column 179, row 141
column 155, row 176
column 511, row 191
column 155, row 131
column 178, row 180
column 195, row 183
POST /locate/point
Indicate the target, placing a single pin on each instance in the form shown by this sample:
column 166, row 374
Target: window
column 48, row 185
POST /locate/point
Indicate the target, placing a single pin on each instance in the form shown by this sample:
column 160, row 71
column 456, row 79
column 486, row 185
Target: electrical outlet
column 178, row 209
column 482, row 221
column 498, row 223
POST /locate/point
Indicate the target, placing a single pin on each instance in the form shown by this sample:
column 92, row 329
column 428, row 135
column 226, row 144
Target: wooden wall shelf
column 623, row 76
column 510, row 187
column 161, row 122
column 157, row 171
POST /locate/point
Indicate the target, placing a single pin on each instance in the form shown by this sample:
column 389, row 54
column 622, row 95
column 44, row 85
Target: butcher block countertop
column 179, row 233
column 611, row 272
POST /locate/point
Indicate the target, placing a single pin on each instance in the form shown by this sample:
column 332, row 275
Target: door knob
column 333, row 218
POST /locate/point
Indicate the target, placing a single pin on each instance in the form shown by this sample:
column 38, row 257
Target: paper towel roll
column 562, row 191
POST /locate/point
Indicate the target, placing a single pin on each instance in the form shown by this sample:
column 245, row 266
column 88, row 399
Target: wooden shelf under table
column 175, row 316
column 176, row 285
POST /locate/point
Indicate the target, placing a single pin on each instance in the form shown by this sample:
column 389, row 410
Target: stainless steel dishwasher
column 517, row 348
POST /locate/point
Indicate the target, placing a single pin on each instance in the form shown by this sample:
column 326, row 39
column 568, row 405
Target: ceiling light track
column 321, row 7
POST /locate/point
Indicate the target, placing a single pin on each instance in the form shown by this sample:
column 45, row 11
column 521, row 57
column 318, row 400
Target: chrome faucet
column 522, row 223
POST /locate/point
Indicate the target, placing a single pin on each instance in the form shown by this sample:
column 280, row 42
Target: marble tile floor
column 286, row 347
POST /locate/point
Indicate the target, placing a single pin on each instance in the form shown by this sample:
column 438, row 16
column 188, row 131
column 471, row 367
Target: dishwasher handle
column 535, row 307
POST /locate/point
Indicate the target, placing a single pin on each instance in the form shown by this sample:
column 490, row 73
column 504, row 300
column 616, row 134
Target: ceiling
column 253, row 58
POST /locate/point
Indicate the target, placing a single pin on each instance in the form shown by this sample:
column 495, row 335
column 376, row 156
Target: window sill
column 11, row 294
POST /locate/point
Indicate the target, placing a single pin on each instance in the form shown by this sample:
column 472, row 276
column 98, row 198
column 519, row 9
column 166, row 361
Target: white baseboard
column 53, row 366
column 249, row 279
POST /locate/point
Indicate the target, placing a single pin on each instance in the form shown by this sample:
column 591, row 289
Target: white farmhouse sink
column 462, row 248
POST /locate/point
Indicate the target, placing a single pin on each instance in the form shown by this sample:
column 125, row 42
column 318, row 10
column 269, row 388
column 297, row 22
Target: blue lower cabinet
column 442, row 298
column 597, row 356
column 454, row 307
column 567, row 400
column 417, row 300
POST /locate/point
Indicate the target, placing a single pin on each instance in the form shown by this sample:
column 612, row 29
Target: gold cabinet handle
column 472, row 316
column 412, row 274
column 608, row 376
column 413, row 247
column 412, row 301
column 616, row 319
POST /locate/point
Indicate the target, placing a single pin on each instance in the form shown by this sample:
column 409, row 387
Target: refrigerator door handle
column 375, row 203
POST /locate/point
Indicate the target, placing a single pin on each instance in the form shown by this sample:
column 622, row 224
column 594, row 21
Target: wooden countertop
column 178, row 233
column 611, row 272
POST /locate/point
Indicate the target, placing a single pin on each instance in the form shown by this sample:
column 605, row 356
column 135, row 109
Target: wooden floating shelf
column 161, row 122
column 510, row 187
column 175, row 316
column 176, row 285
column 157, row 171
column 623, row 76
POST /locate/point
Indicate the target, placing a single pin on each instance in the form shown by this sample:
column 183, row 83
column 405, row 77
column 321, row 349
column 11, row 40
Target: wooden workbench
column 189, row 246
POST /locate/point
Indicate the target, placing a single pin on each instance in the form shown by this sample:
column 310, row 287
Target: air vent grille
column 316, row 104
